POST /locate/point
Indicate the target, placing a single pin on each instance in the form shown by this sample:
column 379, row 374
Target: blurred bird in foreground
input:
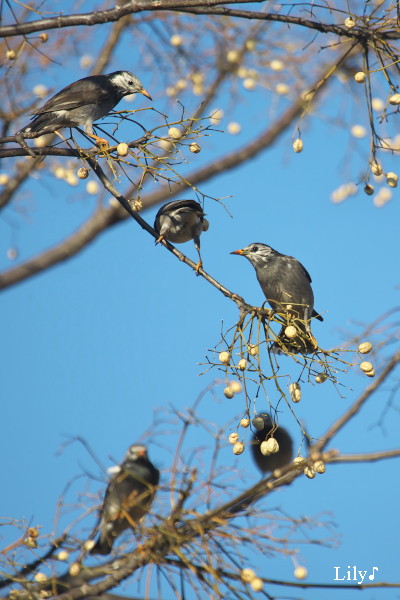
column 275, row 460
column 180, row 221
column 287, row 287
column 82, row 102
column 128, row 497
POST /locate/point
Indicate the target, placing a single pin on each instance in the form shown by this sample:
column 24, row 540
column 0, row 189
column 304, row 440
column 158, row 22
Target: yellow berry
column 282, row 88
column 63, row 555
column 369, row 189
column 195, row 148
column 253, row 349
column 276, row 65
column 247, row 575
column 321, row 377
column 269, row 446
column 319, row 466
column 349, row 23
column 377, row 104
column 234, row 128
column 360, row 77
column 123, row 149
column 216, row 116
column 174, row 133
column 176, row 40
column 249, row 83
column 358, row 131
column 40, row 90
column 290, row 332
column 43, row 37
column 392, row 179
column 300, row 572
column 257, row 584
column 238, row 448
column 228, row 392
column 233, row 56
column 394, row 99
column 83, row 173
column 295, row 392
column 309, row 472
column 41, row 141
column 242, row 364
column 92, row 187
column 74, row 569
column 376, row 168
column 224, row 357
column 298, row 145
column 233, row 438
column 40, row 577
column 244, row 422
column 365, row 347
column 298, row 461
column 366, row 366
column 236, row 386
column 86, row 61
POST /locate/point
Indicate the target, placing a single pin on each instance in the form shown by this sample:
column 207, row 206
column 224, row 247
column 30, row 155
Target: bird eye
column 130, row 82
column 254, row 249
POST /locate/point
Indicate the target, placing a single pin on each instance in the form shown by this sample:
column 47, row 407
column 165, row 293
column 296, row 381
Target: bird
column 82, row 102
column 128, row 497
column 272, row 461
column 180, row 221
column 287, row 287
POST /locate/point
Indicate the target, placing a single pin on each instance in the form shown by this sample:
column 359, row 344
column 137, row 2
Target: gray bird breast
column 283, row 282
column 180, row 227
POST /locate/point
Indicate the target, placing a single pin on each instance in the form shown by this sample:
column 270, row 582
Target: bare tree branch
column 345, row 418
column 108, row 16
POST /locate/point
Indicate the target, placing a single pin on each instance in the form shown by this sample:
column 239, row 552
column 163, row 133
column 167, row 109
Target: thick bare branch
column 111, row 15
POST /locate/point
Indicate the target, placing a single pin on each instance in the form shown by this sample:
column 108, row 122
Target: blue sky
column 99, row 345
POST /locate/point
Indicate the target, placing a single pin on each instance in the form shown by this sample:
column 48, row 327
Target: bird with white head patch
column 83, row 102
column 287, row 287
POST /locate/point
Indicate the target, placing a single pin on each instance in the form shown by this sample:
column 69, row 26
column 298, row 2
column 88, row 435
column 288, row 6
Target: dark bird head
column 126, row 83
column 273, row 461
column 258, row 254
column 135, row 453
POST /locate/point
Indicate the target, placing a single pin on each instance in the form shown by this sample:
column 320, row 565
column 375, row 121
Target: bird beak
column 143, row 91
column 239, row 252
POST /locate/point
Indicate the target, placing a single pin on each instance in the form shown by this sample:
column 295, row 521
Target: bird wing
column 79, row 93
column 190, row 205
column 306, row 273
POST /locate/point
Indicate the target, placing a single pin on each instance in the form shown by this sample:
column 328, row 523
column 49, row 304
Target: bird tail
column 38, row 125
column 316, row 315
column 102, row 546
column 303, row 343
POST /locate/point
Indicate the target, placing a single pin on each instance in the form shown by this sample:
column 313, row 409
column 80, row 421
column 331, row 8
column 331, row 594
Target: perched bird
column 279, row 459
column 180, row 221
column 83, row 102
column 128, row 497
column 287, row 287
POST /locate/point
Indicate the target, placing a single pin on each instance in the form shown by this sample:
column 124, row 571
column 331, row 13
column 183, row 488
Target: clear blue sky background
column 99, row 345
